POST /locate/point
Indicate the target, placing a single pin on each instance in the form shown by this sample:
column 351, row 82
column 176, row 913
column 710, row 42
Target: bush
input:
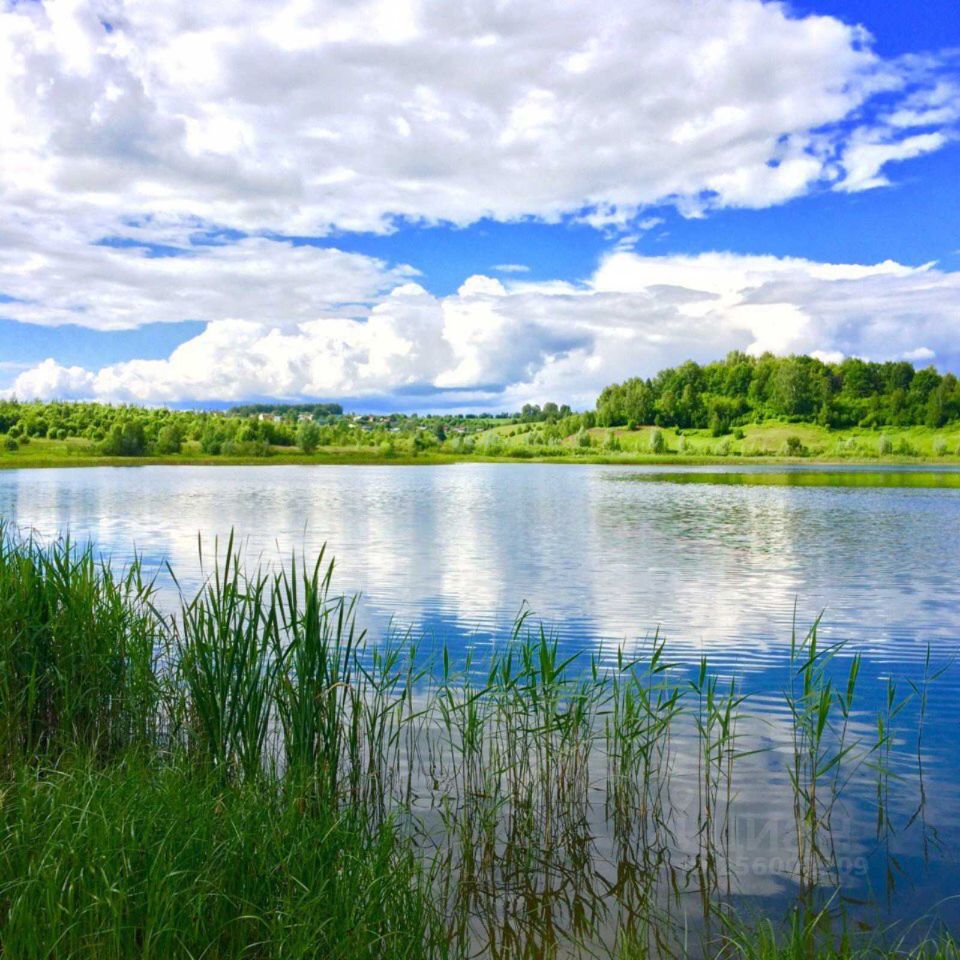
column 718, row 426
column 210, row 441
column 884, row 445
column 939, row 447
column 905, row 448
column 657, row 442
column 793, row 447
column 10, row 444
column 308, row 436
column 245, row 448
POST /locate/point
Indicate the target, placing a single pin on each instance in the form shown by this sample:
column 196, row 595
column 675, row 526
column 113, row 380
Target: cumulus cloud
column 495, row 344
column 64, row 280
column 303, row 117
column 154, row 157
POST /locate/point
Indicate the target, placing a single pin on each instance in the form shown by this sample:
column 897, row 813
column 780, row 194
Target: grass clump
column 77, row 652
column 162, row 861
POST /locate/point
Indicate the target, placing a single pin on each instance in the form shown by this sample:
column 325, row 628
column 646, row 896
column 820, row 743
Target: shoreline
column 349, row 458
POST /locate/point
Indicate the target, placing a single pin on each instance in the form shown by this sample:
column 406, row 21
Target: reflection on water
column 721, row 566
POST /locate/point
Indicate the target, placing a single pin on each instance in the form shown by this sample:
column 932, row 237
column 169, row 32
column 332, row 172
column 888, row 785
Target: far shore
column 26, row 458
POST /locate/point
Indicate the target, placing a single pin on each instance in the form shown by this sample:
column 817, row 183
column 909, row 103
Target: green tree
column 127, row 439
column 169, row 439
column 308, row 436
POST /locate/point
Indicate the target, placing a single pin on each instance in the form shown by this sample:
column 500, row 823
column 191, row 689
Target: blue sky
column 403, row 206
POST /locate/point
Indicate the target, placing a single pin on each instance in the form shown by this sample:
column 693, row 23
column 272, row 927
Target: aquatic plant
column 252, row 776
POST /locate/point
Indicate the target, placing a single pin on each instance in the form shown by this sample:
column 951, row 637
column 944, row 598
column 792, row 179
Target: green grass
column 764, row 442
column 147, row 860
column 250, row 777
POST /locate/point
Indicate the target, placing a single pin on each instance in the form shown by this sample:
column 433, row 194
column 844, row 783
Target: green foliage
column 742, row 388
column 793, row 447
column 308, row 436
column 658, row 443
column 125, row 440
column 169, row 439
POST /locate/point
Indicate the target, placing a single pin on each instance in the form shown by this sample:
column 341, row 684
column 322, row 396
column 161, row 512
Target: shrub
column 246, row 448
column 793, row 447
column 939, row 447
column 10, row 444
column 884, row 445
column 210, row 441
column 308, row 436
column 657, row 442
column 905, row 448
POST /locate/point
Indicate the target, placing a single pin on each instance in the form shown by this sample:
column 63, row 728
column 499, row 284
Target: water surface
column 721, row 563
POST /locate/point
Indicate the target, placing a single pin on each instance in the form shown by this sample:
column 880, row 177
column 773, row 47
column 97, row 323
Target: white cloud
column 298, row 117
column 152, row 123
column 865, row 161
column 496, row 344
column 63, row 280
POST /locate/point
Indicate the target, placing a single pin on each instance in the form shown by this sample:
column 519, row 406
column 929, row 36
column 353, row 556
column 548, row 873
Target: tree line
column 741, row 389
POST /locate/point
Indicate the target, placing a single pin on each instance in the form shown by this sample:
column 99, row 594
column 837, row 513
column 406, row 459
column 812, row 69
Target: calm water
column 453, row 552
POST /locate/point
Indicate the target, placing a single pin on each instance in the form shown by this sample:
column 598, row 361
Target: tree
column 169, row 439
column 125, row 440
column 308, row 436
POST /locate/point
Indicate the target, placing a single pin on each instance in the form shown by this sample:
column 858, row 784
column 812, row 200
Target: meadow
column 766, row 442
column 250, row 775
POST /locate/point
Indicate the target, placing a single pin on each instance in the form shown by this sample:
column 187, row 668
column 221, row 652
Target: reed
column 78, row 652
column 250, row 776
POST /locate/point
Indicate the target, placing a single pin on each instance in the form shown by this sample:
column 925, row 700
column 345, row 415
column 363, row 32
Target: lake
column 720, row 563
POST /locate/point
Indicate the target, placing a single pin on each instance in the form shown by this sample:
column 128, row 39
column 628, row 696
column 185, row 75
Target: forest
column 744, row 389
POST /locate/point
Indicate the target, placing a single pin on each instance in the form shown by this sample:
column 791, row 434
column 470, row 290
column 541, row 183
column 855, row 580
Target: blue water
column 454, row 552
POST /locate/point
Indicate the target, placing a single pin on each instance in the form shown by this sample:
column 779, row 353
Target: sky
column 406, row 205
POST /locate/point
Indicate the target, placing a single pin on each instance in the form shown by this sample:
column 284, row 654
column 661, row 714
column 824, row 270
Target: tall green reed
column 78, row 651
column 534, row 791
